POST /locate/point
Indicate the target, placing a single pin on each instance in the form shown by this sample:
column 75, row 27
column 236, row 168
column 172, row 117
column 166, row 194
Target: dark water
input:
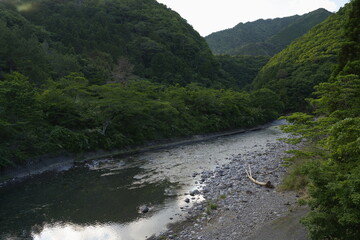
column 100, row 200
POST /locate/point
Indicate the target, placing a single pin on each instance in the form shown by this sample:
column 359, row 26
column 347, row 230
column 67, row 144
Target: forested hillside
column 330, row 166
column 306, row 62
column 106, row 40
column 264, row 37
column 78, row 76
column 84, row 75
column 241, row 70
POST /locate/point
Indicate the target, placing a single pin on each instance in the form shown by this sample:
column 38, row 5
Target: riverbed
column 102, row 199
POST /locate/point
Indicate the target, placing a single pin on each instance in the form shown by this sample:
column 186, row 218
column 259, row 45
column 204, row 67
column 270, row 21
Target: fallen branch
column 265, row 184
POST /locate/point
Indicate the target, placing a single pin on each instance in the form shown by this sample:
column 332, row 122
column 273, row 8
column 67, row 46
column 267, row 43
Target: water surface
column 101, row 199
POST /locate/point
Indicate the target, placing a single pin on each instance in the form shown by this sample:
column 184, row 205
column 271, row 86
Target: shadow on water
column 101, row 199
column 78, row 196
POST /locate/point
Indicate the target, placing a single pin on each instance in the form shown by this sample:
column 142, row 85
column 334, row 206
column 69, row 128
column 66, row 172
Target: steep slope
column 294, row 72
column 241, row 70
column 264, row 37
column 224, row 41
column 83, row 75
column 112, row 39
column 24, row 48
column 330, row 167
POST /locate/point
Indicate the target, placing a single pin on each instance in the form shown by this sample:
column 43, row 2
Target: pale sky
column 207, row 16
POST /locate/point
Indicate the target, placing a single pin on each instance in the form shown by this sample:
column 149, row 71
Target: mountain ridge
column 306, row 62
column 84, row 75
column 264, row 37
column 106, row 34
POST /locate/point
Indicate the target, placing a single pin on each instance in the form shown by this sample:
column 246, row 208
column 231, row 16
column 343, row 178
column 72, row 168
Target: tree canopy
column 306, row 62
column 97, row 37
column 79, row 76
column 332, row 167
column 264, row 37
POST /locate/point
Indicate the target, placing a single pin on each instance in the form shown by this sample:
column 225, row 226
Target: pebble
column 238, row 205
column 144, row 209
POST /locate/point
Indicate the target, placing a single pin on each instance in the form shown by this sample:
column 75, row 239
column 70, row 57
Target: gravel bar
column 236, row 208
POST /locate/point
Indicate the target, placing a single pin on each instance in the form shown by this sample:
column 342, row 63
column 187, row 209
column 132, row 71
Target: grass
column 299, row 166
column 211, row 206
column 223, row 197
column 295, row 179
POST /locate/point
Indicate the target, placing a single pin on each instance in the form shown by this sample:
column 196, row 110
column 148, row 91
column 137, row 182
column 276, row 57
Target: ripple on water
column 100, row 200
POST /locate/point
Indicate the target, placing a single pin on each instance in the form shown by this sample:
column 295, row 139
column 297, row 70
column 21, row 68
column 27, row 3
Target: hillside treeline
column 330, row 165
column 77, row 76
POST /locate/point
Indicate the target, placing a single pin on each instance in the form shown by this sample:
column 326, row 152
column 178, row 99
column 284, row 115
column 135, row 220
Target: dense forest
column 329, row 167
column 84, row 75
column 306, row 62
column 264, row 37
column 79, row 76
column 105, row 40
column 241, row 70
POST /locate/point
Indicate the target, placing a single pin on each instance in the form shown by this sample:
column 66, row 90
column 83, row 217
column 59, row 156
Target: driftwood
column 265, row 184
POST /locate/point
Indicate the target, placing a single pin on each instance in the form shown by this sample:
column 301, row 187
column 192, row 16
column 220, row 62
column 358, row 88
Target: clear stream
column 100, row 200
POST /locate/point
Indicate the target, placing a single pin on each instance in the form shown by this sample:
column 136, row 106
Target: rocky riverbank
column 236, row 208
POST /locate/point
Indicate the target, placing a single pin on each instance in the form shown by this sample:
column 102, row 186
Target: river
column 101, row 199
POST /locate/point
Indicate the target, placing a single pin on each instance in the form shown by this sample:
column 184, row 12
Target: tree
column 334, row 130
column 122, row 71
column 20, row 119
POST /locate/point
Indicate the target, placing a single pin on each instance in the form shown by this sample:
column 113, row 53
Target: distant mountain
column 264, row 37
column 306, row 62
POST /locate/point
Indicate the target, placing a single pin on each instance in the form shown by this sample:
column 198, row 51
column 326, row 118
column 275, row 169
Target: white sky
column 208, row 16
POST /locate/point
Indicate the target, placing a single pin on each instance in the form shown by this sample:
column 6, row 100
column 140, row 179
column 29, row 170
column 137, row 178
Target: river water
column 100, row 200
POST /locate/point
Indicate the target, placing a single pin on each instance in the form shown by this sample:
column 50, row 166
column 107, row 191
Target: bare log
column 265, row 184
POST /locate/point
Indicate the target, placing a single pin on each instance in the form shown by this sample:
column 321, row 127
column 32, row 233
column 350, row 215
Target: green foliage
column 157, row 41
column 349, row 62
column 211, row 206
column 73, row 116
column 306, row 62
column 338, row 95
column 84, row 75
column 27, row 48
column 242, row 70
column 95, row 37
column 20, row 116
column 299, row 166
column 334, row 178
column 267, row 103
column 335, row 202
column 296, row 178
column 264, row 37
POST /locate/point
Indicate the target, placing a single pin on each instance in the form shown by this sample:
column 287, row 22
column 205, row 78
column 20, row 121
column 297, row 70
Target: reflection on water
column 139, row 229
column 101, row 199
column 78, row 197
